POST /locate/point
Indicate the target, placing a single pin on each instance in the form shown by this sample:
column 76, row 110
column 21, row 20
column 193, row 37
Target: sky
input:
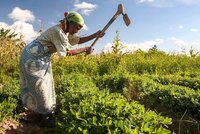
column 172, row 25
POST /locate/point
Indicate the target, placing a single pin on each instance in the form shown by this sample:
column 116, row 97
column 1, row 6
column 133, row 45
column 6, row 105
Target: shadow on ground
column 14, row 127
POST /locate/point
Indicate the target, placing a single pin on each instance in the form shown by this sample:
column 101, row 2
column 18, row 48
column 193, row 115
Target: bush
column 85, row 109
column 7, row 107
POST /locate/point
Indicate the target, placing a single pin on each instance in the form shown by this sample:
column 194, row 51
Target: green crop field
column 136, row 93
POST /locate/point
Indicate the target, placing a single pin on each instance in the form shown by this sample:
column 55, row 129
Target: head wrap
column 75, row 17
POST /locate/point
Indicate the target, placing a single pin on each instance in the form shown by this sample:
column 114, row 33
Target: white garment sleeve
column 61, row 42
column 73, row 39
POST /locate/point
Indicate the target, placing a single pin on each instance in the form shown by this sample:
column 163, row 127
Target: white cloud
column 188, row 2
column 180, row 27
column 21, row 24
column 178, row 42
column 156, row 3
column 84, row 7
column 4, row 25
column 194, row 43
column 180, row 45
column 19, row 14
column 194, row 30
column 144, row 1
column 171, row 44
column 145, row 46
column 26, row 29
column 168, row 3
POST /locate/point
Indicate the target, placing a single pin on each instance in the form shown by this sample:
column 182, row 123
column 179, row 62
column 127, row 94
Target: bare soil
column 11, row 126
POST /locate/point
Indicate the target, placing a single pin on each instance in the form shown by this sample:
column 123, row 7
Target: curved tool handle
column 94, row 42
column 106, row 27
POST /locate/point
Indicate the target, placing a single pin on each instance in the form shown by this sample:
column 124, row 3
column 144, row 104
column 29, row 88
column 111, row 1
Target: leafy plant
column 85, row 109
column 10, row 48
column 117, row 47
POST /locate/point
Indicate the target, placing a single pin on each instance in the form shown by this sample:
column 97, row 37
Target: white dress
column 36, row 78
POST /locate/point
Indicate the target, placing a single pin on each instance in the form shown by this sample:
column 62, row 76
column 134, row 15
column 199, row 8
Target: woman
column 36, row 82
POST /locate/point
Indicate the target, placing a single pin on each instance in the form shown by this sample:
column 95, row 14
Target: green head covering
column 75, row 17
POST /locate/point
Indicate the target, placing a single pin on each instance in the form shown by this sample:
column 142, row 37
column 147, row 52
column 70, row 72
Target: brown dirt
column 11, row 126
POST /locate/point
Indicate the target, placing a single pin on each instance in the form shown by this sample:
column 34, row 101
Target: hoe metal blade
column 126, row 19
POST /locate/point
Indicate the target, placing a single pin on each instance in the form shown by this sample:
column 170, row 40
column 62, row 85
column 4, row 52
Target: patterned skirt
column 36, row 79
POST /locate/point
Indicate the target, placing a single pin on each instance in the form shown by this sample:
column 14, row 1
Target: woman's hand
column 99, row 34
column 89, row 50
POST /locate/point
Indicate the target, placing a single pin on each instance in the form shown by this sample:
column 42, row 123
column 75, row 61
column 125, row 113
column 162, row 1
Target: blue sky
column 172, row 25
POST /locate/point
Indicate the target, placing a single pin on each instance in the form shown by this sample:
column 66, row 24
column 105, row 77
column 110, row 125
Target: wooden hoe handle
column 119, row 11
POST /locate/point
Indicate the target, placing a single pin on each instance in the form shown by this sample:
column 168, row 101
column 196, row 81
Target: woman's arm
column 90, row 37
column 87, row 50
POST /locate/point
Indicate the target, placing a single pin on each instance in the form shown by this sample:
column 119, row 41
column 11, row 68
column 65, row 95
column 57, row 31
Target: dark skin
column 73, row 28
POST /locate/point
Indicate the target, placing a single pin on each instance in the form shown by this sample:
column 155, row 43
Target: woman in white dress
column 36, row 78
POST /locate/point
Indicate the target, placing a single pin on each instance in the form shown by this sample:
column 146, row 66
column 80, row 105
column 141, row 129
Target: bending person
column 36, row 78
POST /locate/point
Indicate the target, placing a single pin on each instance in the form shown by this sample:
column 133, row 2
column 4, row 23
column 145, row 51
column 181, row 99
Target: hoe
column 126, row 19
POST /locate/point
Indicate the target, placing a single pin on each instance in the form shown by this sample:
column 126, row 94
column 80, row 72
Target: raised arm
column 90, row 37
